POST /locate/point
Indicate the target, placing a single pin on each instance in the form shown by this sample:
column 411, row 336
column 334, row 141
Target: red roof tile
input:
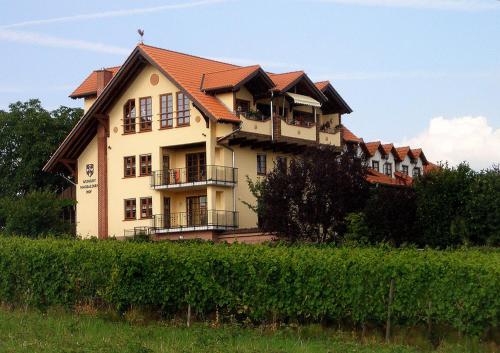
column 284, row 80
column 226, row 78
column 400, row 179
column 372, row 147
column 322, row 85
column 348, row 136
column 187, row 71
column 403, row 152
column 89, row 86
column 430, row 167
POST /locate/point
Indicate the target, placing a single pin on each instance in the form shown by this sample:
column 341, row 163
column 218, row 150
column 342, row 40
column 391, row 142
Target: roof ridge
column 289, row 72
column 108, row 68
column 191, row 55
column 235, row 68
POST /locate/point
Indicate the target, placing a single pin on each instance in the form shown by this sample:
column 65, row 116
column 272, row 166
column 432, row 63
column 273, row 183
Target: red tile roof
column 403, row 152
column 418, row 153
column 89, row 86
column 282, row 81
column 430, row 167
column 348, row 136
column 187, row 71
column 399, row 179
column 322, row 84
column 372, row 147
column 226, row 78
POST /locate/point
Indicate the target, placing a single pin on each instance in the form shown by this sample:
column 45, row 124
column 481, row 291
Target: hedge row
column 456, row 288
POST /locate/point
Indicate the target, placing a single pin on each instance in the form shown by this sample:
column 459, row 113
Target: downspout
column 272, row 117
column 233, row 160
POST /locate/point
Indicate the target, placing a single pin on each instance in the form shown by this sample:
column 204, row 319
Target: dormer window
column 388, row 169
column 405, row 169
column 375, row 166
column 416, row 172
column 129, row 117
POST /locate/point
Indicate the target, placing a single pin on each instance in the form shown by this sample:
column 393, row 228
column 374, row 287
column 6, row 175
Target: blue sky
column 399, row 64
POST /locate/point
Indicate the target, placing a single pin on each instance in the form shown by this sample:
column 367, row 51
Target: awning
column 300, row 99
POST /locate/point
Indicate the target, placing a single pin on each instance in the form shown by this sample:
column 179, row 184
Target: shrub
column 483, row 209
column 442, row 197
column 258, row 283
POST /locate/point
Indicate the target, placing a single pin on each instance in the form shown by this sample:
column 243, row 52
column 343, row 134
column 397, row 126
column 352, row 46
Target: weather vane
column 141, row 33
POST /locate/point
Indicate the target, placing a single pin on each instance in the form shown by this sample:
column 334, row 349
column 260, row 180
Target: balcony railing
column 196, row 220
column 199, row 175
column 255, row 116
column 330, row 130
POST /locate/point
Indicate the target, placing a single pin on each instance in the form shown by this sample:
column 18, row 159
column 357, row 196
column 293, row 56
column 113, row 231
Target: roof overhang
column 300, row 99
column 337, row 103
column 303, row 78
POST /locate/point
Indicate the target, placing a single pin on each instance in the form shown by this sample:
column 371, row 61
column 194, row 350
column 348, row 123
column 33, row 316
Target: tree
column 35, row 214
column 390, row 214
column 442, row 198
column 309, row 199
column 29, row 135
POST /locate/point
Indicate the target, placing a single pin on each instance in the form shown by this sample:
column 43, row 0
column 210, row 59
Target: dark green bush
column 257, row 282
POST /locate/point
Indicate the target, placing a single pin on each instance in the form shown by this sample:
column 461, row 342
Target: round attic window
column 154, row 79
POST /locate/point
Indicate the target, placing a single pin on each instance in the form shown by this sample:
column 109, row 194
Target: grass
column 56, row 331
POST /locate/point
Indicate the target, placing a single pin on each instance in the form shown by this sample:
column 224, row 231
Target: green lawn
column 61, row 332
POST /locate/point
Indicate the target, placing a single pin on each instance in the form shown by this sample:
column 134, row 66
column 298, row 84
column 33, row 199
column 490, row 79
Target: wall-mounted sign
column 89, row 184
column 90, row 170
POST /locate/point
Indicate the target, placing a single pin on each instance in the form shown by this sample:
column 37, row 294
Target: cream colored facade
column 177, row 142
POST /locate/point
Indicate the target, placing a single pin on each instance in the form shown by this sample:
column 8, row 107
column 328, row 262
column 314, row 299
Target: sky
column 419, row 72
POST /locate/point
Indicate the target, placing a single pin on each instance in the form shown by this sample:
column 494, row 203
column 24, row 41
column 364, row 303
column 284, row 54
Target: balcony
column 194, row 221
column 181, row 178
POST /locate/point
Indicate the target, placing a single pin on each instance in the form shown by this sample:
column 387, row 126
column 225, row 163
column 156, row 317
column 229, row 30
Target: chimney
column 103, row 77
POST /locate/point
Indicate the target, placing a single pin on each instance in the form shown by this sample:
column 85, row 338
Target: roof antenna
column 141, row 33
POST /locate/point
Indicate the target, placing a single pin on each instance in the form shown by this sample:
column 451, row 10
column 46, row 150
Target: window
column 129, row 166
column 166, row 111
column 130, row 210
column 145, row 165
column 416, row 172
column 242, row 106
column 388, row 169
column 261, row 164
column 182, row 109
column 146, row 113
column 282, row 163
column 405, row 169
column 146, row 207
column 129, row 117
column 375, row 166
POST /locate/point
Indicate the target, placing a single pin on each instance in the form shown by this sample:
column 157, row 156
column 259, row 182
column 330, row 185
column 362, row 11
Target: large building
column 168, row 141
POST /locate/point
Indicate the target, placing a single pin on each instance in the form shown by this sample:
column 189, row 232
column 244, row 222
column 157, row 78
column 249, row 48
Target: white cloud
column 456, row 5
column 469, row 139
column 116, row 13
column 58, row 42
